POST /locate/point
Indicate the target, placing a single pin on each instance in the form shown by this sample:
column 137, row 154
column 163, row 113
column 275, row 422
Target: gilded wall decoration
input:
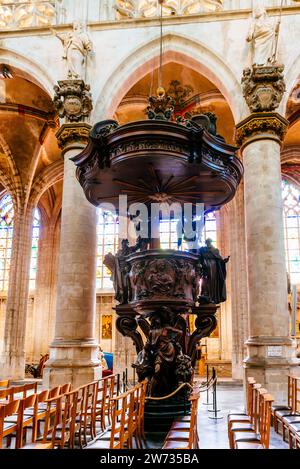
column 26, row 13
column 151, row 8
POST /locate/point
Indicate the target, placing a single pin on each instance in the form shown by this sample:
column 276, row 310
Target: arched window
column 291, row 212
column 34, row 248
column 107, row 241
column 6, row 234
column 168, row 232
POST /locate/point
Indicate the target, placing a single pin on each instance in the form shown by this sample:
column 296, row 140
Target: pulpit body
column 175, row 164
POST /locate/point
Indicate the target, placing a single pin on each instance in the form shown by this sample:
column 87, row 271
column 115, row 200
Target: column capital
column 73, row 136
column 261, row 126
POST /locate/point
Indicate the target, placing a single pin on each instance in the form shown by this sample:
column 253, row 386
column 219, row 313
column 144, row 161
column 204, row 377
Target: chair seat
column 280, row 407
column 180, row 425
column 8, row 425
column 180, row 435
column 246, row 436
column 291, row 419
column 248, row 445
column 12, row 418
column 242, row 427
column 294, row 427
column 184, row 418
column 282, row 413
column 175, row 444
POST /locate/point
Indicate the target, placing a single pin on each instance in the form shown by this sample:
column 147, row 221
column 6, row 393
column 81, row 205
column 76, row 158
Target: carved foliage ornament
column 70, row 134
column 263, row 87
column 270, row 123
column 151, row 8
column 73, row 100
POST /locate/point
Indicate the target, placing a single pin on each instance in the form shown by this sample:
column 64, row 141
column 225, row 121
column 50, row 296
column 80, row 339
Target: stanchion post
column 207, row 391
column 215, row 409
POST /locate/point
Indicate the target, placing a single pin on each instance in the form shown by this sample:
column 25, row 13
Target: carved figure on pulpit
column 77, row 45
column 263, row 36
column 213, row 282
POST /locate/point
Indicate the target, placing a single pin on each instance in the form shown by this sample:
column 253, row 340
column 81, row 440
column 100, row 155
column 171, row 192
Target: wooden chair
column 250, row 424
column 120, row 432
column 7, row 429
column 141, row 411
column 242, row 417
column 53, row 418
column 183, row 439
column 250, row 432
column 110, row 392
column 294, row 416
column 280, row 412
column 263, row 440
column 288, row 406
column 106, row 390
column 89, row 410
column 78, row 410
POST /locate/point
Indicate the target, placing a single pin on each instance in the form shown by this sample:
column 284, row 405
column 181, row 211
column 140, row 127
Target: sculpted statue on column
column 213, row 286
column 263, row 36
column 77, row 45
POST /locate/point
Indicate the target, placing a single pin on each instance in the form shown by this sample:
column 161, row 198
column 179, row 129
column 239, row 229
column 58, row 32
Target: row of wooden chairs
column 286, row 419
column 126, row 420
column 251, row 430
column 18, row 415
column 183, row 433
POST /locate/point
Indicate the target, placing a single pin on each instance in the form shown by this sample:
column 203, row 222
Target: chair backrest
column 41, row 365
column 54, row 392
column 19, row 392
column 64, row 388
column 193, row 433
column 7, row 410
column 265, row 419
column 7, row 394
column 43, row 396
column 122, row 407
column 30, row 388
column 53, row 417
column 4, row 383
column 250, row 383
column 67, row 419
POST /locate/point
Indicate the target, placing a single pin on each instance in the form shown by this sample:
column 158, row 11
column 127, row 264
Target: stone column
column 13, row 354
column 74, row 350
column 271, row 352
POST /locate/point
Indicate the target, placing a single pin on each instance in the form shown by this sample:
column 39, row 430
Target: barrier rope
column 207, row 386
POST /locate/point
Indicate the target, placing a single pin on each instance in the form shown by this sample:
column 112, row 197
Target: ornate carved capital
column 73, row 100
column 261, row 125
column 73, row 136
column 263, row 87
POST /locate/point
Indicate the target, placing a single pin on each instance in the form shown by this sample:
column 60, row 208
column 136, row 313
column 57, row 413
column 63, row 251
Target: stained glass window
column 36, row 225
column 107, row 236
column 6, row 234
column 168, row 232
column 291, row 209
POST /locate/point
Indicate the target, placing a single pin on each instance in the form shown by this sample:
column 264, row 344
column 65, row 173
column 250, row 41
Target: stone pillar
column 74, row 350
column 46, row 285
column 239, row 288
column 271, row 352
column 13, row 354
